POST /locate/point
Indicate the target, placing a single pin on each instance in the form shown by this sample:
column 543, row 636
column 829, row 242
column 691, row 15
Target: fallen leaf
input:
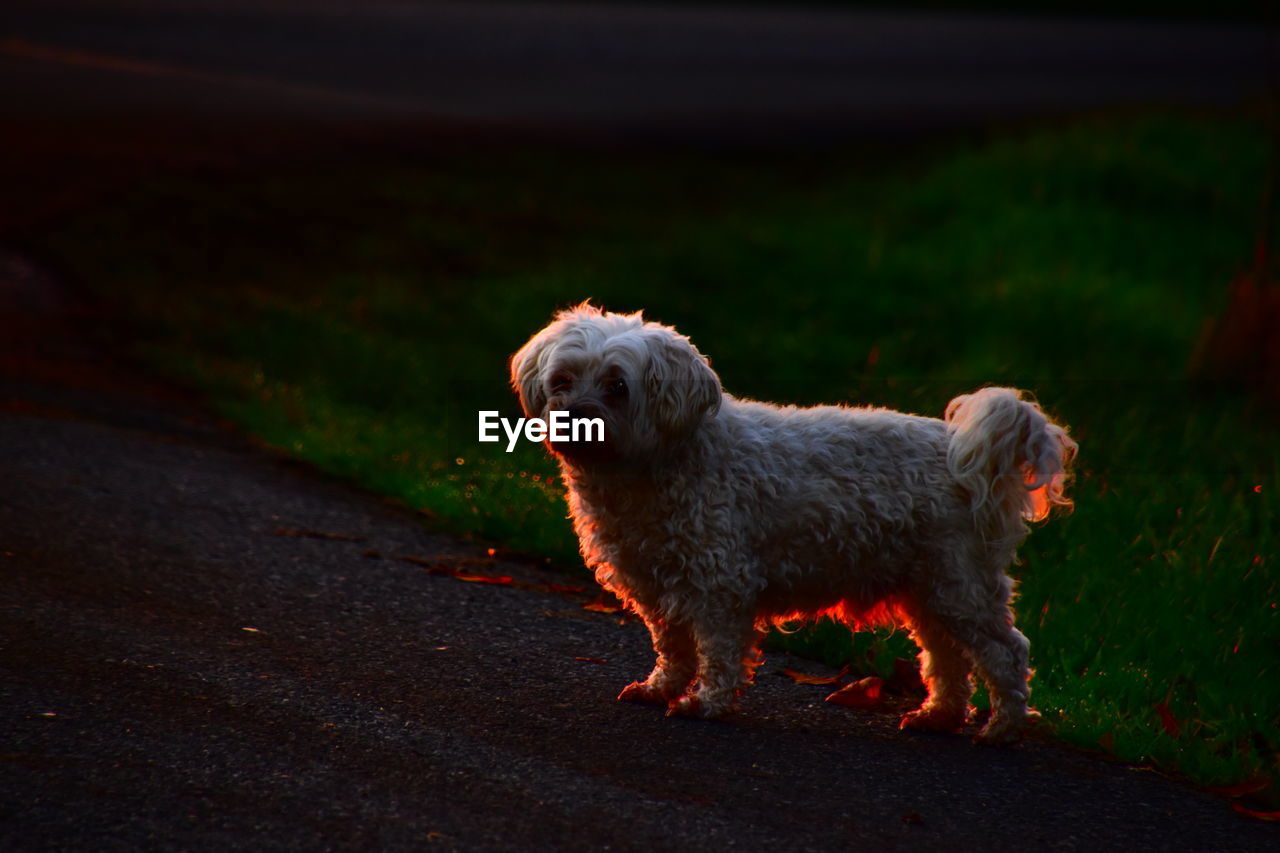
column 1168, row 720
column 417, row 561
column 1242, row 788
column 1270, row 817
column 605, row 603
column 591, row 660
column 913, row 819
column 555, row 587
column 805, row 678
column 863, row 693
column 304, row 533
column 460, row 560
column 496, row 580
column 449, row 565
column 18, row 406
column 1107, row 742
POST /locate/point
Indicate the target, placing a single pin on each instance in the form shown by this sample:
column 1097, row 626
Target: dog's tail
column 1013, row 461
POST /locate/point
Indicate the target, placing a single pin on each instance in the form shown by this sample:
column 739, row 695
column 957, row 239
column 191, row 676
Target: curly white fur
column 713, row 517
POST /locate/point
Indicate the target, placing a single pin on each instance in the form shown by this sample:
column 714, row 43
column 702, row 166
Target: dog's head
column 647, row 383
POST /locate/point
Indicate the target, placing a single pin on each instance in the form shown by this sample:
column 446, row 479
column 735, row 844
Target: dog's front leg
column 677, row 663
column 728, row 654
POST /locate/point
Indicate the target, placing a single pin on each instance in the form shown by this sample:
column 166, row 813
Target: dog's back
column 861, row 500
column 830, row 496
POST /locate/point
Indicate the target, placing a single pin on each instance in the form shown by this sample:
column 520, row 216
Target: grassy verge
column 358, row 317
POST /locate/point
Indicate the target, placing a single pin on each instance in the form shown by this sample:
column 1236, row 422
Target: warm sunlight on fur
column 714, row 517
column 881, row 614
column 1044, row 497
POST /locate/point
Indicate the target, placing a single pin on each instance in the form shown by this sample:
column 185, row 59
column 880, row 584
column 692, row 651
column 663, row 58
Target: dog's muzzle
column 583, row 448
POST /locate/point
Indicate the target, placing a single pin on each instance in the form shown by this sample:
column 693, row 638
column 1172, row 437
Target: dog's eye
column 561, row 382
column 616, row 387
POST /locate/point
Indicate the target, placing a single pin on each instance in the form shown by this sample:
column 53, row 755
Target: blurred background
column 337, row 220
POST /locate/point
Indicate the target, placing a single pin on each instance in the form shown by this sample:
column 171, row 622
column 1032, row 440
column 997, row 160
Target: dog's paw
column 692, row 707
column 996, row 734
column 643, row 692
column 687, row 706
column 1002, row 731
column 933, row 720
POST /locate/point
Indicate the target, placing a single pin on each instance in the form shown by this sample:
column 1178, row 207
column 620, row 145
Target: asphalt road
column 206, row 646
column 710, row 73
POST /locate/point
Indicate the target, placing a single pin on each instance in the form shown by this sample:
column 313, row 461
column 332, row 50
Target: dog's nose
column 583, row 412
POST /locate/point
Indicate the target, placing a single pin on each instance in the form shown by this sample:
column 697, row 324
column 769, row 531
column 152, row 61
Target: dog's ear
column 679, row 383
column 526, row 371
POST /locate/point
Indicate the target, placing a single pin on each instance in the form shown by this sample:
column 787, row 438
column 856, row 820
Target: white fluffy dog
column 713, row 517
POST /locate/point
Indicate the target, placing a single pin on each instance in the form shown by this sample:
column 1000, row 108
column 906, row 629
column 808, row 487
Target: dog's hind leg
column 945, row 672
column 676, row 666
column 1000, row 655
column 1001, row 658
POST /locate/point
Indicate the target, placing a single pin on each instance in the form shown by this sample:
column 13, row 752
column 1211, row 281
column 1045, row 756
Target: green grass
column 359, row 315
